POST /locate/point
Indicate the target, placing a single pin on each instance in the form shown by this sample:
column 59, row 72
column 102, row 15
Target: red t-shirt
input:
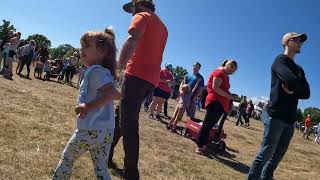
column 225, row 86
column 166, row 75
column 146, row 60
column 307, row 123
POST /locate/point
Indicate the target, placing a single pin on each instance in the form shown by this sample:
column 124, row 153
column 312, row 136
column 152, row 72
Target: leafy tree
column 179, row 72
column 314, row 113
column 63, row 50
column 299, row 116
column 40, row 40
column 5, row 28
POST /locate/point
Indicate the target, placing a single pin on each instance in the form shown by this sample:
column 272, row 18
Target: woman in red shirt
column 162, row 92
column 217, row 102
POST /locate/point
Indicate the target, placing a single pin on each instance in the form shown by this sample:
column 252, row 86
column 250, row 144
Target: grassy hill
column 37, row 119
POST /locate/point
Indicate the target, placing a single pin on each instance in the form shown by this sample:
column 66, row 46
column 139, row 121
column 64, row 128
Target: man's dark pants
column 26, row 60
column 117, row 134
column 134, row 90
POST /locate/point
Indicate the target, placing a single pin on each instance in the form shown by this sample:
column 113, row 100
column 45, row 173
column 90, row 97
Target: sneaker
column 201, row 151
column 158, row 117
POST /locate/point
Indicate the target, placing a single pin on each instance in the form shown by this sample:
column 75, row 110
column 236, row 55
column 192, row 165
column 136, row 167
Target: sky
column 207, row 31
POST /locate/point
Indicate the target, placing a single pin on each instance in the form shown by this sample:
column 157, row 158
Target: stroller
column 53, row 70
column 216, row 137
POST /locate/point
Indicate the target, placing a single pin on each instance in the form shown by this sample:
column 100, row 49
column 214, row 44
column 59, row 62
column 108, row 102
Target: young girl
column 95, row 123
column 183, row 103
column 39, row 68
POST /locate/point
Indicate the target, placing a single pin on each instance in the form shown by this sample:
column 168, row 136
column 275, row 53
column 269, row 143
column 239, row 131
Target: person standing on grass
column 141, row 54
column 19, row 54
column 288, row 85
column 163, row 91
column 28, row 54
column 241, row 113
column 4, row 55
column 4, row 41
column 73, row 66
column 62, row 74
column 14, row 43
column 217, row 101
column 249, row 110
column 95, row 122
column 196, row 83
column 307, row 127
column 317, row 139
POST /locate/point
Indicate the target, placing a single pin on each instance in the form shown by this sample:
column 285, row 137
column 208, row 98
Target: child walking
column 95, row 122
column 183, row 103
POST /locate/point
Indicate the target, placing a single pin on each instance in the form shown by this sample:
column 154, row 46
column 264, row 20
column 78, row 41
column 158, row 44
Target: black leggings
column 213, row 114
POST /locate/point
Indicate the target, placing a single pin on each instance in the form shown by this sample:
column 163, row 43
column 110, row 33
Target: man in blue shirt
column 196, row 83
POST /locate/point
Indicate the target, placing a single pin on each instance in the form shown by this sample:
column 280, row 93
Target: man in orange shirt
column 307, row 127
column 141, row 57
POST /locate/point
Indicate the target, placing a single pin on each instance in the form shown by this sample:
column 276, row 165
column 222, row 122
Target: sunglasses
column 296, row 40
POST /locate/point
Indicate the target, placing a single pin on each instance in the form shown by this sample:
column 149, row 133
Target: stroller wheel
column 46, row 77
column 184, row 132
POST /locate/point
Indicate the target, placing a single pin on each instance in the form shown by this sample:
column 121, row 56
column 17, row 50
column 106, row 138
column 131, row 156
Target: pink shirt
column 165, row 75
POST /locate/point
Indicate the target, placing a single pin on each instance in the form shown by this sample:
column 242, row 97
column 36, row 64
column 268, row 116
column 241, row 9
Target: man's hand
column 81, row 110
column 286, row 89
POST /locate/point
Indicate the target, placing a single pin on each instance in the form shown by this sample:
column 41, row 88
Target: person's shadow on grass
column 228, row 159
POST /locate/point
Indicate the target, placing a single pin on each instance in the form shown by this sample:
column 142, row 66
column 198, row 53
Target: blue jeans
column 276, row 138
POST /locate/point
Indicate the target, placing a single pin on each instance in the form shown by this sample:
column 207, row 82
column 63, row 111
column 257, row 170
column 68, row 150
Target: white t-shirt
column 14, row 43
column 94, row 78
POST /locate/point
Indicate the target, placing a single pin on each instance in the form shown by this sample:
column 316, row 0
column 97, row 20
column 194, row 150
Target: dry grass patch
column 37, row 120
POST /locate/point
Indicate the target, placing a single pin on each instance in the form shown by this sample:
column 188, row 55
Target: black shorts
column 161, row 93
column 11, row 53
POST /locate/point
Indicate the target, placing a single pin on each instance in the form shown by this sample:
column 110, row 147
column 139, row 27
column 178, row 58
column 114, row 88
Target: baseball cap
column 303, row 37
column 129, row 6
column 169, row 66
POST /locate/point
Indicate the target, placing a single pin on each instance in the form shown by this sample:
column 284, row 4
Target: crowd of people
column 99, row 129
column 27, row 53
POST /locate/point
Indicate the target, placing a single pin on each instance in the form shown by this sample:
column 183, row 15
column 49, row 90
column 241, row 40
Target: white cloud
column 257, row 99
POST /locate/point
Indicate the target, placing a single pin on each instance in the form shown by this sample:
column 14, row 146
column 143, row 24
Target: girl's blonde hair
column 105, row 42
column 185, row 88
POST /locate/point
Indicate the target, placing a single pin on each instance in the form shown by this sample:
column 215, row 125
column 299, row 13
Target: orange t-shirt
column 307, row 123
column 146, row 60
